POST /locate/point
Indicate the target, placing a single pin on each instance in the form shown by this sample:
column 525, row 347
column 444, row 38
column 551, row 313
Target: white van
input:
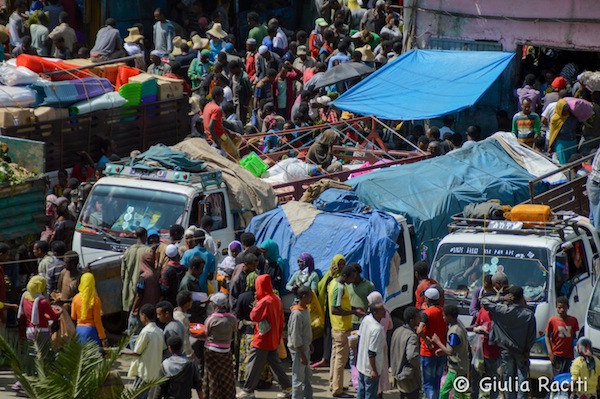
column 547, row 259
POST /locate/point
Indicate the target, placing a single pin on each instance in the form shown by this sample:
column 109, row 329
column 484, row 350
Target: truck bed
column 23, row 208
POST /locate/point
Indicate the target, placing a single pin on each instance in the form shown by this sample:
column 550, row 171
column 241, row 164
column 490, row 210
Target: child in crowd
column 561, row 331
column 226, row 267
column 457, row 349
column 299, row 339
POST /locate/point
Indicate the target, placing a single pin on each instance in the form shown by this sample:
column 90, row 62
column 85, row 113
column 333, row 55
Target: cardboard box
column 169, row 88
column 45, row 114
column 141, row 78
column 12, row 116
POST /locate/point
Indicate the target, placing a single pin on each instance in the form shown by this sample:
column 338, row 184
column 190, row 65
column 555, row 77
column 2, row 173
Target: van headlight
column 538, row 350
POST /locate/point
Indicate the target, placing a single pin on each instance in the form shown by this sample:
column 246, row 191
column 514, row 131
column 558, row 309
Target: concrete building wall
column 567, row 24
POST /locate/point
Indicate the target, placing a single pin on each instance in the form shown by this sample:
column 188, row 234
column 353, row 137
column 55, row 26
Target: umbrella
column 342, row 72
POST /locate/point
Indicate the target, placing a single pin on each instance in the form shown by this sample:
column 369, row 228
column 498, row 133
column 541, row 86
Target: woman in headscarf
column 337, row 264
column 36, row 309
column 585, row 370
column 563, row 132
column 274, row 265
column 227, row 266
column 320, row 152
column 219, row 380
column 375, row 298
column 305, row 276
column 86, row 310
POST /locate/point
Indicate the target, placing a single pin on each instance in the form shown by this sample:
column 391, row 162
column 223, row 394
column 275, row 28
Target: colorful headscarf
column 558, row 120
column 272, row 250
column 308, row 260
column 251, row 281
column 584, row 348
column 333, row 272
column 87, row 291
column 234, row 244
column 35, row 292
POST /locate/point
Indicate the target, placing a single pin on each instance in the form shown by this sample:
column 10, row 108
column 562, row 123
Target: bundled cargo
column 16, row 96
column 105, row 101
column 66, row 93
column 48, row 65
column 16, row 76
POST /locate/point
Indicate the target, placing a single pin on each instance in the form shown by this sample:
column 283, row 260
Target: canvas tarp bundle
column 366, row 238
column 424, row 84
column 429, row 192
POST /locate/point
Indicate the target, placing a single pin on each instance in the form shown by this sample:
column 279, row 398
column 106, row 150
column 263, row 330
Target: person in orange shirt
column 86, row 310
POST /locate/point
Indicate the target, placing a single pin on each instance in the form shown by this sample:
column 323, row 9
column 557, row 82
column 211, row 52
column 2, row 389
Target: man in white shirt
column 16, row 25
column 280, row 40
column 371, row 348
column 148, row 350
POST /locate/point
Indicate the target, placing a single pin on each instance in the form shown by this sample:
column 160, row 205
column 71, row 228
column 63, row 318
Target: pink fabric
column 580, row 108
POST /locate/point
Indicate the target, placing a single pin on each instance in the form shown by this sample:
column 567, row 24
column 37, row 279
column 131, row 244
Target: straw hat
column 177, row 42
column 198, row 43
column 217, row 31
column 367, row 54
column 134, row 35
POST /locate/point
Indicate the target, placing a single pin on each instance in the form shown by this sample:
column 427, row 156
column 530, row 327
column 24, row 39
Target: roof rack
column 206, row 179
column 562, row 221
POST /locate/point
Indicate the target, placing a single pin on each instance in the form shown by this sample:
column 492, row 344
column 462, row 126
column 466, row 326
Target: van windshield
column 123, row 209
column 460, row 268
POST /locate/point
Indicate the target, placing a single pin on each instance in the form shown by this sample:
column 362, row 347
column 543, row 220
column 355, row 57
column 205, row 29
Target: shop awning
column 424, row 84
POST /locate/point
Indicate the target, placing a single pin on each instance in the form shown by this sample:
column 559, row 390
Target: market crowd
column 205, row 317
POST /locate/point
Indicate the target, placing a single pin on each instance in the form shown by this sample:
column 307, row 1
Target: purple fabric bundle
column 68, row 92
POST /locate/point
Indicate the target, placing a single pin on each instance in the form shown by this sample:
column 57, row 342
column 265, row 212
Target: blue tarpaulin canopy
column 423, row 84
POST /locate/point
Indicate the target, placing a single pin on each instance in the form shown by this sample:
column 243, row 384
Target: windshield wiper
column 103, row 233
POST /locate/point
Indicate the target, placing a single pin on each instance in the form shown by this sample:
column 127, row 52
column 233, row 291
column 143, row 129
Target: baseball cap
column 321, row 22
column 301, row 50
column 171, row 251
column 432, row 293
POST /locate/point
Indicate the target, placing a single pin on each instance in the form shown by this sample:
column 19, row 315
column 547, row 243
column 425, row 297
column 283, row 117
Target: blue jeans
column 593, row 192
column 367, row 387
column 432, row 368
column 514, row 365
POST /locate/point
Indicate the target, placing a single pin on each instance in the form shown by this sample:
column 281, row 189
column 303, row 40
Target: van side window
column 576, row 265
column 215, row 208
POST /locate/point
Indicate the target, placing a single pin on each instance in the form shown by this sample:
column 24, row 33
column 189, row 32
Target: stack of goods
column 36, row 89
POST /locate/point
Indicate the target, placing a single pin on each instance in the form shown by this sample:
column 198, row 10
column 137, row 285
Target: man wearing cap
column 432, row 323
column 134, row 45
column 158, row 67
column 316, row 40
column 200, row 68
column 266, row 60
column 257, row 31
column 108, row 44
column 163, row 33
column 171, row 275
column 303, row 62
column 130, row 267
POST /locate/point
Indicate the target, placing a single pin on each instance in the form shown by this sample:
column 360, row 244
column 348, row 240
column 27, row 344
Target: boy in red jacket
column 267, row 313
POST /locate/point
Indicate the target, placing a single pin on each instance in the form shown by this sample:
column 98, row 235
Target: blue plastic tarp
column 423, row 84
column 366, row 238
column 429, row 192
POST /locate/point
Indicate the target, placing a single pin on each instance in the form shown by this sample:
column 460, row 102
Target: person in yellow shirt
column 86, row 310
column 585, row 370
column 340, row 314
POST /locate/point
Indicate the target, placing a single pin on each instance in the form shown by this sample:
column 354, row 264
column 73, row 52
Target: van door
column 577, row 284
column 215, row 204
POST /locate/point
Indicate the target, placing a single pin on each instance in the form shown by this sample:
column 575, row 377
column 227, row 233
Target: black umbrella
column 342, row 72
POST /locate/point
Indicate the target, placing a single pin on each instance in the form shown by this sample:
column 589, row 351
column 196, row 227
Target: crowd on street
column 268, row 82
